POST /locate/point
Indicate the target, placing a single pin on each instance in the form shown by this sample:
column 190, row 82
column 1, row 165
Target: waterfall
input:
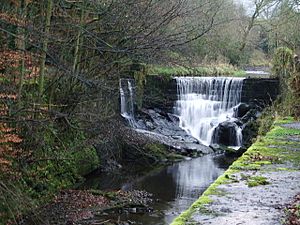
column 206, row 102
column 127, row 101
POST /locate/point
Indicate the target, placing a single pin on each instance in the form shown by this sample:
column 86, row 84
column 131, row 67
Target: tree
column 45, row 47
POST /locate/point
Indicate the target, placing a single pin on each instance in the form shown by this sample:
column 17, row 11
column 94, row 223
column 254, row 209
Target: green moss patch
column 257, row 181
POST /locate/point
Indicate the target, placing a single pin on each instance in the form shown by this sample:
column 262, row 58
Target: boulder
column 250, row 130
column 249, row 116
column 225, row 134
column 241, row 110
column 232, row 152
column 227, row 150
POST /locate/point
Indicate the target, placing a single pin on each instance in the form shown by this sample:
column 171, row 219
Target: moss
column 239, row 73
column 60, row 160
column 157, row 149
column 284, row 120
column 139, row 74
column 175, row 157
column 86, row 161
column 161, row 152
column 257, row 181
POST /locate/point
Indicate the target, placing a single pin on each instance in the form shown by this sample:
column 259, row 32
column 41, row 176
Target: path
column 273, row 161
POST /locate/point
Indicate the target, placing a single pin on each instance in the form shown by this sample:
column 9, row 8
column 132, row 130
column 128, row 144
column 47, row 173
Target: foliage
column 58, row 161
column 52, row 166
column 139, row 73
column 266, row 120
column 283, row 62
column 286, row 67
column 294, row 84
column 258, row 59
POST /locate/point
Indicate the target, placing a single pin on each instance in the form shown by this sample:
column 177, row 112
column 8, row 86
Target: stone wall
column 161, row 92
column 263, row 91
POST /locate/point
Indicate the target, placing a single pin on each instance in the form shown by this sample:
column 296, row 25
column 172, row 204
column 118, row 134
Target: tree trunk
column 78, row 44
column 22, row 47
column 45, row 48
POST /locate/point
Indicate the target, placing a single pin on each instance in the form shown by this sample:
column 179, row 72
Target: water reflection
column 175, row 187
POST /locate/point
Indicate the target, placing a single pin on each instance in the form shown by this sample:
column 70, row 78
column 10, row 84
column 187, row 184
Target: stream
column 174, row 188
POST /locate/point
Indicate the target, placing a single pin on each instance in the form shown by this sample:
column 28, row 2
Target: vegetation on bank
column 210, row 70
column 58, row 161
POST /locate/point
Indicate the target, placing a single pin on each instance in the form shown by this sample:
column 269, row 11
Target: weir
column 162, row 100
column 205, row 102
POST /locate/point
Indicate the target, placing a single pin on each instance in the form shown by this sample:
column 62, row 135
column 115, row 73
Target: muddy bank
column 257, row 188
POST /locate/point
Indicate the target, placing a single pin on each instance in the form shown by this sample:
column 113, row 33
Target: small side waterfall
column 206, row 102
column 127, row 101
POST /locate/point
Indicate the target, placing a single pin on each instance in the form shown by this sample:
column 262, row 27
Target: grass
column 211, row 70
column 256, row 157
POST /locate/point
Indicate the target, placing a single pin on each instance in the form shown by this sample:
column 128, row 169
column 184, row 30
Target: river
column 174, row 187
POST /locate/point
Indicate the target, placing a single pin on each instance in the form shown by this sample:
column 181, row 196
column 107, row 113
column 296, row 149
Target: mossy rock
column 157, row 149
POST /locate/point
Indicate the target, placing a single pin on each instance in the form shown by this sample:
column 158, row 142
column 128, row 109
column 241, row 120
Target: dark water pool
column 175, row 187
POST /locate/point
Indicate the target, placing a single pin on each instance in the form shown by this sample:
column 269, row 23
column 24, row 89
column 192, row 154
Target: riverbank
column 205, row 70
column 257, row 187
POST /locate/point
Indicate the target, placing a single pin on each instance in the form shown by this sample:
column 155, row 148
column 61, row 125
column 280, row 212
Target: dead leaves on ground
column 293, row 212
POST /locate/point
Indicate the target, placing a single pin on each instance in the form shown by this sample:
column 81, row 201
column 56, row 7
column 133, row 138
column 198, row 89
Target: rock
column 177, row 137
column 216, row 148
column 234, row 152
column 110, row 165
column 225, row 134
column 187, row 158
column 227, row 150
column 250, row 130
column 241, row 110
column 250, row 115
column 173, row 118
column 149, row 125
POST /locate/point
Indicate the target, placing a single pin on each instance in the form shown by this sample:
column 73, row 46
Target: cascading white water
column 127, row 101
column 205, row 102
